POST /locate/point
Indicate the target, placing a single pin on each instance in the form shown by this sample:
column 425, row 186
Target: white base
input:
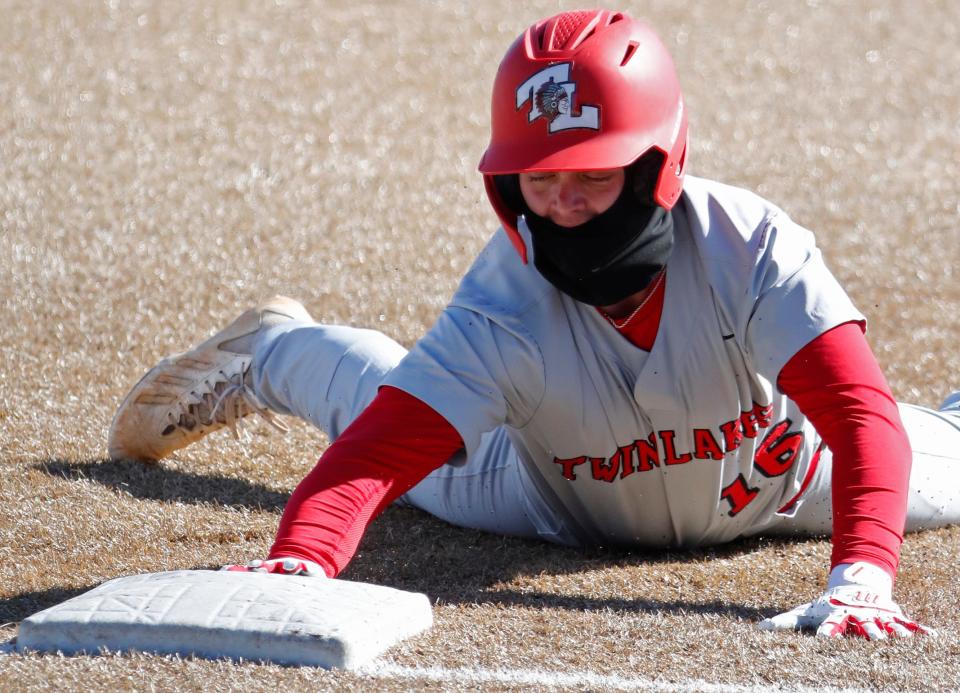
column 212, row 614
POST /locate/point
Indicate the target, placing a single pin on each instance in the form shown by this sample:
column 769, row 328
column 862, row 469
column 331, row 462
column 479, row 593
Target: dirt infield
column 165, row 165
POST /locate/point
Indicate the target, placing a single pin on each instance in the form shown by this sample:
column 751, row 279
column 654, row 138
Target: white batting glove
column 279, row 566
column 857, row 602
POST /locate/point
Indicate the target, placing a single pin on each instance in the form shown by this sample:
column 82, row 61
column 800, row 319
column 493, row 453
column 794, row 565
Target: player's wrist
column 861, row 574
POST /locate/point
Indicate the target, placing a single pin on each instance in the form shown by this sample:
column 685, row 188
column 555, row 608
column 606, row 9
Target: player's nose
column 568, row 195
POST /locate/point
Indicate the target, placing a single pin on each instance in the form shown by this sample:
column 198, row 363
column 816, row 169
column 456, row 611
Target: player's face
column 570, row 198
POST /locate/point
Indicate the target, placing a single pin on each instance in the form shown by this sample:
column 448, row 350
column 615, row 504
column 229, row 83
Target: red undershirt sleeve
column 838, row 385
column 394, row 443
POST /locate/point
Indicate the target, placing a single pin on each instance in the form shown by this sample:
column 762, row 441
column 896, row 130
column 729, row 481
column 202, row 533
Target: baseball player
column 637, row 357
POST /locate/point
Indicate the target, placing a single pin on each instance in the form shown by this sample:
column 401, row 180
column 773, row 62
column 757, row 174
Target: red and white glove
column 857, row 602
column 279, row 566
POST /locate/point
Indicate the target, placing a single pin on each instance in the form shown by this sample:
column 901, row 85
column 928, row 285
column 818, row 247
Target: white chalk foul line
column 575, row 679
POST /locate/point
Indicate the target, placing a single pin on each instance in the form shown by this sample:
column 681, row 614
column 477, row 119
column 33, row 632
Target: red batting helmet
column 585, row 90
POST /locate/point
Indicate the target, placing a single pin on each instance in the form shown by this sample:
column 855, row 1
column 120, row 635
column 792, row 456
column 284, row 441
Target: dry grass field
column 165, row 165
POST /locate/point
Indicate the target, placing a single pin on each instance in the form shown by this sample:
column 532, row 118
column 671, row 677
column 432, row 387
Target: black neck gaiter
column 608, row 258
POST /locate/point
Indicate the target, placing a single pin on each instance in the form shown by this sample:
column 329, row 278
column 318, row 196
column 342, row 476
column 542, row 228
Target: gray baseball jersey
column 691, row 443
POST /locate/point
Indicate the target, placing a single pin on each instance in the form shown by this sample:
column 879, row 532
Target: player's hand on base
column 857, row 603
column 279, row 566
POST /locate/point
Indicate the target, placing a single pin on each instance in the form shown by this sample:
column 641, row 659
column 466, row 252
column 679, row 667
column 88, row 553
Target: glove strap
column 862, row 574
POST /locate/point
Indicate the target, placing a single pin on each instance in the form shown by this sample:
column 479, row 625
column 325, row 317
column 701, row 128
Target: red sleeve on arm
column 838, row 385
column 394, row 443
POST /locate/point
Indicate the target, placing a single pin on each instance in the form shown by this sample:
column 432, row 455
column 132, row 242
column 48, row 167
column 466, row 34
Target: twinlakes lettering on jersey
column 774, row 456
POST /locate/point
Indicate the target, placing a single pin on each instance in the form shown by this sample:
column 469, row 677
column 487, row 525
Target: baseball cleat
column 951, row 403
column 187, row 396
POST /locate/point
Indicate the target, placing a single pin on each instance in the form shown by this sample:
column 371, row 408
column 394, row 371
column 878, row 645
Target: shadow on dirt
column 15, row 608
column 411, row 550
column 578, row 603
column 154, row 482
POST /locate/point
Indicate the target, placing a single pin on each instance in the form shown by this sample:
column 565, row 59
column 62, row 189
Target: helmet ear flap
column 643, row 175
column 500, row 189
column 508, row 186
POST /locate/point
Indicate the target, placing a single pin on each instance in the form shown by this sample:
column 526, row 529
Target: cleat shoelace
column 221, row 402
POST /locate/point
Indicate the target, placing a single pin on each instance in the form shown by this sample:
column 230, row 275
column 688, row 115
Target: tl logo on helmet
column 550, row 93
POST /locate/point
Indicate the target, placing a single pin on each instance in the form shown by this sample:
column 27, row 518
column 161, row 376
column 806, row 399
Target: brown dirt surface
column 165, row 165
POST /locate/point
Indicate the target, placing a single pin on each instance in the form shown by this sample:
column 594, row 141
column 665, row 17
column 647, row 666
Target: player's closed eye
column 598, row 178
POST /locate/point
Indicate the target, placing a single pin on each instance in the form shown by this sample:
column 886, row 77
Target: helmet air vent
column 567, row 31
column 567, row 26
column 541, row 33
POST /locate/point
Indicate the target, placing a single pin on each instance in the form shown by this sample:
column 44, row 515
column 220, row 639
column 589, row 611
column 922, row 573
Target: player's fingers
column 914, row 627
column 293, row 566
column 242, row 569
column 256, row 566
column 871, row 629
column 896, row 630
column 834, row 626
column 794, row 619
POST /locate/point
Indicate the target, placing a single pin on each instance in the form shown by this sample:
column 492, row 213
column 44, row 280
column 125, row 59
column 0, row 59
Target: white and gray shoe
column 187, row 396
